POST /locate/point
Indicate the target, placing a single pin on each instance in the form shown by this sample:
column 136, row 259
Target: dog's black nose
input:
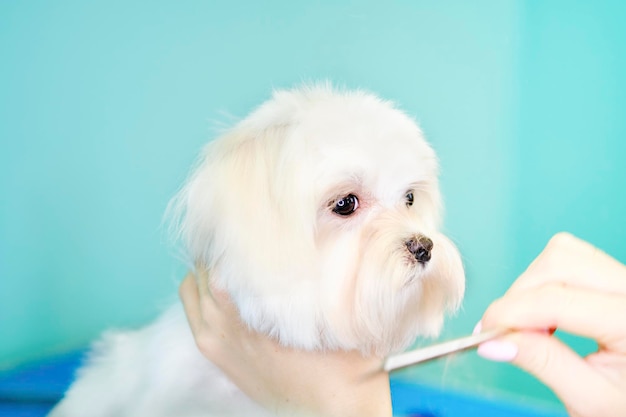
column 420, row 246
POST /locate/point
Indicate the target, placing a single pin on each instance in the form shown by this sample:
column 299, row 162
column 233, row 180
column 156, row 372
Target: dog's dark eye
column 347, row 205
column 409, row 198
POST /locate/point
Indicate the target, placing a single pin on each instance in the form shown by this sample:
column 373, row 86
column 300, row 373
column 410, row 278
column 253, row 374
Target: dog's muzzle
column 420, row 247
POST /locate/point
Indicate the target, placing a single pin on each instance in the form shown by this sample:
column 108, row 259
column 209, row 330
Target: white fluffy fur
column 258, row 212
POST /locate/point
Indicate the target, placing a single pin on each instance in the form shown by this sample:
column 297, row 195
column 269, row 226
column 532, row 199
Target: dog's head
column 319, row 215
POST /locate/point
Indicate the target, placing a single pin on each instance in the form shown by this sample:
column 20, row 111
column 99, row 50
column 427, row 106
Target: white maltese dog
column 320, row 212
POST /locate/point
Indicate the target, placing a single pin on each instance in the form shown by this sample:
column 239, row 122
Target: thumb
column 552, row 362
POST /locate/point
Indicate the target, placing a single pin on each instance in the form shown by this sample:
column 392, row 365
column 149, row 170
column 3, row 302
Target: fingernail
column 478, row 328
column 498, row 350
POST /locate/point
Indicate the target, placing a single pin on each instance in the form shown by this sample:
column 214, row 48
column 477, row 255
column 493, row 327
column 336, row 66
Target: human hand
column 575, row 287
column 286, row 381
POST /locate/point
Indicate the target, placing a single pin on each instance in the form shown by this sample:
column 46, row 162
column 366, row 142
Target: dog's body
column 156, row 371
column 318, row 215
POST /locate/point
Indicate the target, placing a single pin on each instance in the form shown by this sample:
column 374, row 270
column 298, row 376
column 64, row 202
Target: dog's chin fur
column 257, row 212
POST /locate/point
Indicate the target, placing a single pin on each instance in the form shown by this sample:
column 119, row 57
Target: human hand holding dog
column 575, row 287
column 285, row 381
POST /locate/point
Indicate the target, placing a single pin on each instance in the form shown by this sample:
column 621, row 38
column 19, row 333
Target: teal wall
column 104, row 105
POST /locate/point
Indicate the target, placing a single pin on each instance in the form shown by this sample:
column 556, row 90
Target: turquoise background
column 104, row 106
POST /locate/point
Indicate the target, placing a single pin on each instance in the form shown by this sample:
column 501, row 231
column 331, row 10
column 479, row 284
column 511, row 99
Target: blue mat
column 413, row 400
column 33, row 389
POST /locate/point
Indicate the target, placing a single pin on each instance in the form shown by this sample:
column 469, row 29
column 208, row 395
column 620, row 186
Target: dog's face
column 319, row 215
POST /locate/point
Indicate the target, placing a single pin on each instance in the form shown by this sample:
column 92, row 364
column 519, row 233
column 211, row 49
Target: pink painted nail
column 478, row 328
column 498, row 350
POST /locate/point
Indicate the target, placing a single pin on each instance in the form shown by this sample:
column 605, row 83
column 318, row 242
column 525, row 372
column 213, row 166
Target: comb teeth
column 413, row 357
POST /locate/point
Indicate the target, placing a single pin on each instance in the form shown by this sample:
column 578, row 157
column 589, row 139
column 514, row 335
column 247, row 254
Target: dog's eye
column 347, row 205
column 409, row 198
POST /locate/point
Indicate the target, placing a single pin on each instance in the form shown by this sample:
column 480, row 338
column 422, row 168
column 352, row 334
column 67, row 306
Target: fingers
column 556, row 365
column 190, row 297
column 577, row 288
column 209, row 311
column 569, row 259
column 213, row 301
column 201, row 310
column 590, row 313
column 202, row 280
column 593, row 314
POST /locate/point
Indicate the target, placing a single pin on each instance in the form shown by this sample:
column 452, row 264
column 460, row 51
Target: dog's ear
column 242, row 201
